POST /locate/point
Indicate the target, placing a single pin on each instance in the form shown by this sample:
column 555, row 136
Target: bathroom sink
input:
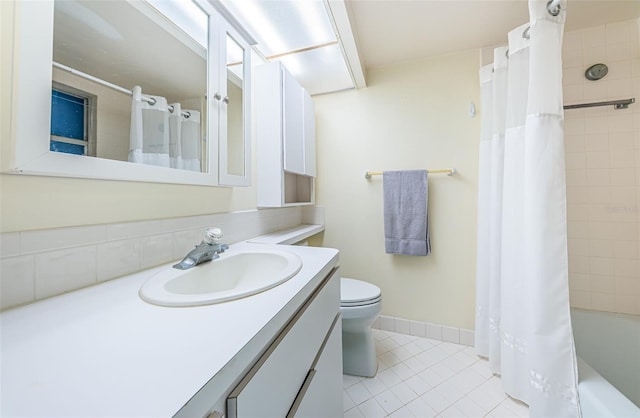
column 232, row 276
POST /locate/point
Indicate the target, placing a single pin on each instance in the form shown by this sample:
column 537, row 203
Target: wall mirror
column 235, row 152
column 126, row 90
column 126, row 97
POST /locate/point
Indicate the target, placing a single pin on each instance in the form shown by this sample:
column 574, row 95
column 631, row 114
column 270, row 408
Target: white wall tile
column 621, row 141
column 573, row 93
column 622, row 159
column 595, row 91
column 53, row 239
column 126, row 230
column 578, row 264
column 156, row 250
column 451, row 334
column 403, row 326
column 577, row 212
column 387, row 323
column 619, row 89
column 619, row 70
column 314, row 215
column 118, row 258
column 620, row 122
column 602, row 284
column 603, row 302
column 577, row 229
column 626, row 267
column 594, row 36
column 576, row 177
column 467, row 337
column 187, row 222
column 580, row 299
column 628, row 304
column 598, row 177
column 600, row 248
column 571, row 57
column 418, row 329
column 63, row 255
column 575, row 160
column 627, row 286
column 579, row 281
column 434, row 331
column 578, row 247
column 619, row 51
column 17, row 281
column 618, row 32
column 64, row 270
column 574, row 126
column 623, row 177
column 9, row 244
column 577, row 194
column 596, row 142
column 596, row 125
column 601, row 265
column 626, row 249
column 185, row 241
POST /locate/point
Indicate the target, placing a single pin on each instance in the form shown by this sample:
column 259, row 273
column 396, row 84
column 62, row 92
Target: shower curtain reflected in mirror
column 163, row 135
column 523, row 323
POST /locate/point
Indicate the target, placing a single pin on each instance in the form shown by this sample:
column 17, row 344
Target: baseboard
column 425, row 329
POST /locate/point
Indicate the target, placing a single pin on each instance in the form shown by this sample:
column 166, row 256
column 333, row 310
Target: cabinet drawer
column 321, row 395
column 271, row 386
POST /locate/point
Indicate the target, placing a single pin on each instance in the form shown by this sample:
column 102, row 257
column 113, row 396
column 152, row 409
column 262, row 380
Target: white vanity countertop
column 289, row 236
column 103, row 351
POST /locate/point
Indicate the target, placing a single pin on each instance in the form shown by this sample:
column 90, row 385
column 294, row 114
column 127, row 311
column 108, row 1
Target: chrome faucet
column 207, row 250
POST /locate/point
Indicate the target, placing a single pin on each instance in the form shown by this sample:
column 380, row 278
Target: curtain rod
column 617, row 104
column 448, row 171
column 116, row 87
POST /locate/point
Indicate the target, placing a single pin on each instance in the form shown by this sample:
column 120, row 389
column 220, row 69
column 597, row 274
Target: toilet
column 360, row 304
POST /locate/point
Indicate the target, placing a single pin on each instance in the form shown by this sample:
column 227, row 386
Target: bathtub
column 608, row 347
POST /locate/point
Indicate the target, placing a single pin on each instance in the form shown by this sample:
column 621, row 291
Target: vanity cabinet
column 286, row 138
column 300, row 373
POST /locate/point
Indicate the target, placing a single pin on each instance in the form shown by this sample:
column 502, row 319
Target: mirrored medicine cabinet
column 150, row 91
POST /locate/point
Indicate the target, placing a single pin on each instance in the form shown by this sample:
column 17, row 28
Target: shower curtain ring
column 556, row 7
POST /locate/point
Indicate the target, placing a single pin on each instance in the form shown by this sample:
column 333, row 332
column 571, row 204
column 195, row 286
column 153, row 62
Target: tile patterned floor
column 420, row 377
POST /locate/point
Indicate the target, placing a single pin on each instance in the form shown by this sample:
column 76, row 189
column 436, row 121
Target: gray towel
column 406, row 226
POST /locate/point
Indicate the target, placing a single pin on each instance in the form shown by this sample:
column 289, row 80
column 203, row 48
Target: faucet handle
column 213, row 235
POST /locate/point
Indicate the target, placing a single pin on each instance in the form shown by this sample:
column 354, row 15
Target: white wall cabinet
column 300, row 374
column 286, row 138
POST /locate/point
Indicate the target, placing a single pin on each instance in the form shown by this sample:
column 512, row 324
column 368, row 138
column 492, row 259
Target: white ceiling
column 391, row 31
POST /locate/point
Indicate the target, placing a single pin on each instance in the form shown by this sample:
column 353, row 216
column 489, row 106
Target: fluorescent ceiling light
column 187, row 16
column 300, row 34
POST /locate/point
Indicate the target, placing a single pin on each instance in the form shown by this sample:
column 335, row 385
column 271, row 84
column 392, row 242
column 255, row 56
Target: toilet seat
column 355, row 293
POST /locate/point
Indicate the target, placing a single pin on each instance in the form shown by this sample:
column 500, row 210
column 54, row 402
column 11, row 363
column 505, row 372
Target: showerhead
column 596, row 72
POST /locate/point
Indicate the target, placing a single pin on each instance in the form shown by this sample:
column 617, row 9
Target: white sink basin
column 232, row 276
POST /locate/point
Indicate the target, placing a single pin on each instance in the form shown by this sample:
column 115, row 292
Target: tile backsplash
column 603, row 168
column 38, row 264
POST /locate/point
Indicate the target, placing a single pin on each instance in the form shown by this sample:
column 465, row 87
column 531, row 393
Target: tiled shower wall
column 603, row 168
column 38, row 264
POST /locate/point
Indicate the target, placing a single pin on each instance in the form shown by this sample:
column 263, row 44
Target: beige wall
column 603, row 169
column 411, row 116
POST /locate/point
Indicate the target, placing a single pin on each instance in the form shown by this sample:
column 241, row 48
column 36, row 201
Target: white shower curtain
column 149, row 134
column 523, row 322
column 163, row 135
column 190, row 140
column 175, row 135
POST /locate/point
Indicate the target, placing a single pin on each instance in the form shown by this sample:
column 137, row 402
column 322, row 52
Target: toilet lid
column 356, row 292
